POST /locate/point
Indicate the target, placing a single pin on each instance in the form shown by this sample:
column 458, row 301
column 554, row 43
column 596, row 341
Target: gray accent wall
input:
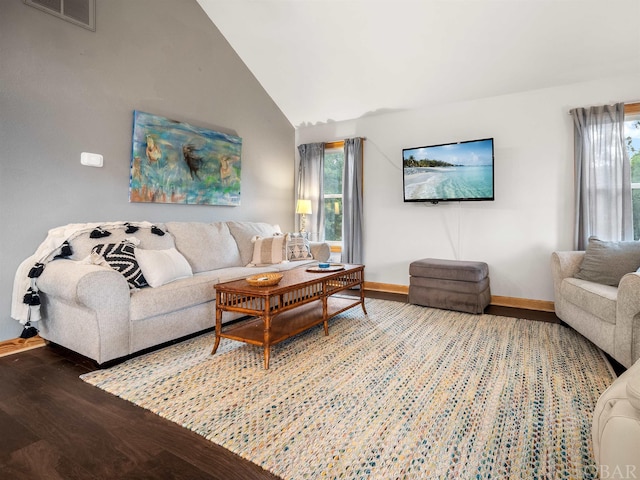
column 66, row 90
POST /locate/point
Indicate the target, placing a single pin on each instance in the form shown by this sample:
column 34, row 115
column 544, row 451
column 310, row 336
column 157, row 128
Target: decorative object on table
column 175, row 162
column 303, row 208
column 330, row 267
column 264, row 279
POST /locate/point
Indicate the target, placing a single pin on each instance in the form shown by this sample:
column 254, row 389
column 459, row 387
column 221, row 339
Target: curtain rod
column 338, row 143
column 629, row 107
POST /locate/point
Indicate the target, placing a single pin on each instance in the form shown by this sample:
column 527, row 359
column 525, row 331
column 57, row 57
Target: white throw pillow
column 298, row 247
column 269, row 250
column 160, row 267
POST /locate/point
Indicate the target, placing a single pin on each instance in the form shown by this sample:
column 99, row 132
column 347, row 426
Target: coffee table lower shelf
column 289, row 323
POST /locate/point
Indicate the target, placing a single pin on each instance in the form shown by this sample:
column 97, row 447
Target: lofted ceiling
column 333, row 60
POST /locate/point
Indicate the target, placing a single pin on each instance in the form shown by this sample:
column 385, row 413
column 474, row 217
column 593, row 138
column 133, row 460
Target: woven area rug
column 404, row 392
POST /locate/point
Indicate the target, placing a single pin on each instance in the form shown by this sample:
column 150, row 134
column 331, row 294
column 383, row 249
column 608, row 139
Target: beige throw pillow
column 269, row 250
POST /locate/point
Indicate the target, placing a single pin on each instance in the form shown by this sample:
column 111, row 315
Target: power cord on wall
column 455, row 248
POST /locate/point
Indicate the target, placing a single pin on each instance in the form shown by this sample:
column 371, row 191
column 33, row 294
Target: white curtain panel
column 311, row 187
column 603, row 178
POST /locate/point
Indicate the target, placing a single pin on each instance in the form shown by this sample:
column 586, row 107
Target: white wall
column 532, row 214
column 65, row 90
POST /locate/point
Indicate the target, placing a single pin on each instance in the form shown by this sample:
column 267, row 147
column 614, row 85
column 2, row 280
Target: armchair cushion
column 600, row 300
column 607, row 262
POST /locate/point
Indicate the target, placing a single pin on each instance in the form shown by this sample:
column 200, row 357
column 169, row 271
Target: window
column 333, row 169
column 632, row 136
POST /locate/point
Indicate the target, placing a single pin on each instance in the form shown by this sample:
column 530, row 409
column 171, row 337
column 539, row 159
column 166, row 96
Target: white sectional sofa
column 90, row 308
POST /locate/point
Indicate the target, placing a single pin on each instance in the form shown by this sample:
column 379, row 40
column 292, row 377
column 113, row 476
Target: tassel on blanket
column 31, row 298
column 65, row 250
column 131, row 228
column 28, row 331
column 156, row 230
column 36, row 270
column 99, row 233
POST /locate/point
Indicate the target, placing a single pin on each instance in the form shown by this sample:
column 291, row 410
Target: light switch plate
column 91, row 159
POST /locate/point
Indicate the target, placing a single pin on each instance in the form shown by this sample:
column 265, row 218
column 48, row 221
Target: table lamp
column 303, row 207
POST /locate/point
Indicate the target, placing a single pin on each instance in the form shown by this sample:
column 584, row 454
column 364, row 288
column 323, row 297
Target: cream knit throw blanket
column 47, row 250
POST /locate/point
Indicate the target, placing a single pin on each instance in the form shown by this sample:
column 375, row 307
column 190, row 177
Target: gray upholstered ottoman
column 450, row 284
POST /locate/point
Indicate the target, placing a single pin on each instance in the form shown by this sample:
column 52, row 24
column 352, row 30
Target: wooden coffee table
column 301, row 300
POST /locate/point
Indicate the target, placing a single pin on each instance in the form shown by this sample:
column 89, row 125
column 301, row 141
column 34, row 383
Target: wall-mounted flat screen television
column 461, row 171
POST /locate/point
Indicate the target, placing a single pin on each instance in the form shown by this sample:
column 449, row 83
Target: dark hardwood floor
column 55, row 426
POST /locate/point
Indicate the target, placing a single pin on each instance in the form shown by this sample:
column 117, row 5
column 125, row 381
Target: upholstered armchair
column 597, row 293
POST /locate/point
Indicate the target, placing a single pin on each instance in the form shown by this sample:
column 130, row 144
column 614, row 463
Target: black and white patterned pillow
column 298, row 247
column 121, row 257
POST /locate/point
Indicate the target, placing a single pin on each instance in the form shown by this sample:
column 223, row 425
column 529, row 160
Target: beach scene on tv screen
column 448, row 172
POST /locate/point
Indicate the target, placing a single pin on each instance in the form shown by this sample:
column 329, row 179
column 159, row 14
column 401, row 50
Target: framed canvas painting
column 174, row 162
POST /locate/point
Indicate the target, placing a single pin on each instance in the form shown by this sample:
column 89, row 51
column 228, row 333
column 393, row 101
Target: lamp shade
column 303, row 206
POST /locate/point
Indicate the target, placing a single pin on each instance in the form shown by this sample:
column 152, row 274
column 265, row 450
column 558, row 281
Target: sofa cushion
column 607, row 262
column 269, row 250
column 121, row 257
column 244, row 232
column 206, row 246
column 595, row 298
column 298, row 247
column 162, row 266
column 174, row 296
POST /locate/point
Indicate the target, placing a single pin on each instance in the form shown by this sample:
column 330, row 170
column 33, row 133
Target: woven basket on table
column 264, row 279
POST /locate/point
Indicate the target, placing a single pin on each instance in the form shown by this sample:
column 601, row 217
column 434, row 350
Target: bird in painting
column 192, row 160
column 226, row 171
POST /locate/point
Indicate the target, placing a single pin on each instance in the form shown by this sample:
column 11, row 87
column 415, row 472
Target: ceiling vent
column 79, row 12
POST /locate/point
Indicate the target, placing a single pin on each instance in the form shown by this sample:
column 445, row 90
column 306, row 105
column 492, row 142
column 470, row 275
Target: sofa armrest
column 321, row 251
column 633, row 391
column 616, row 427
column 93, row 286
column 627, row 333
column 86, row 309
